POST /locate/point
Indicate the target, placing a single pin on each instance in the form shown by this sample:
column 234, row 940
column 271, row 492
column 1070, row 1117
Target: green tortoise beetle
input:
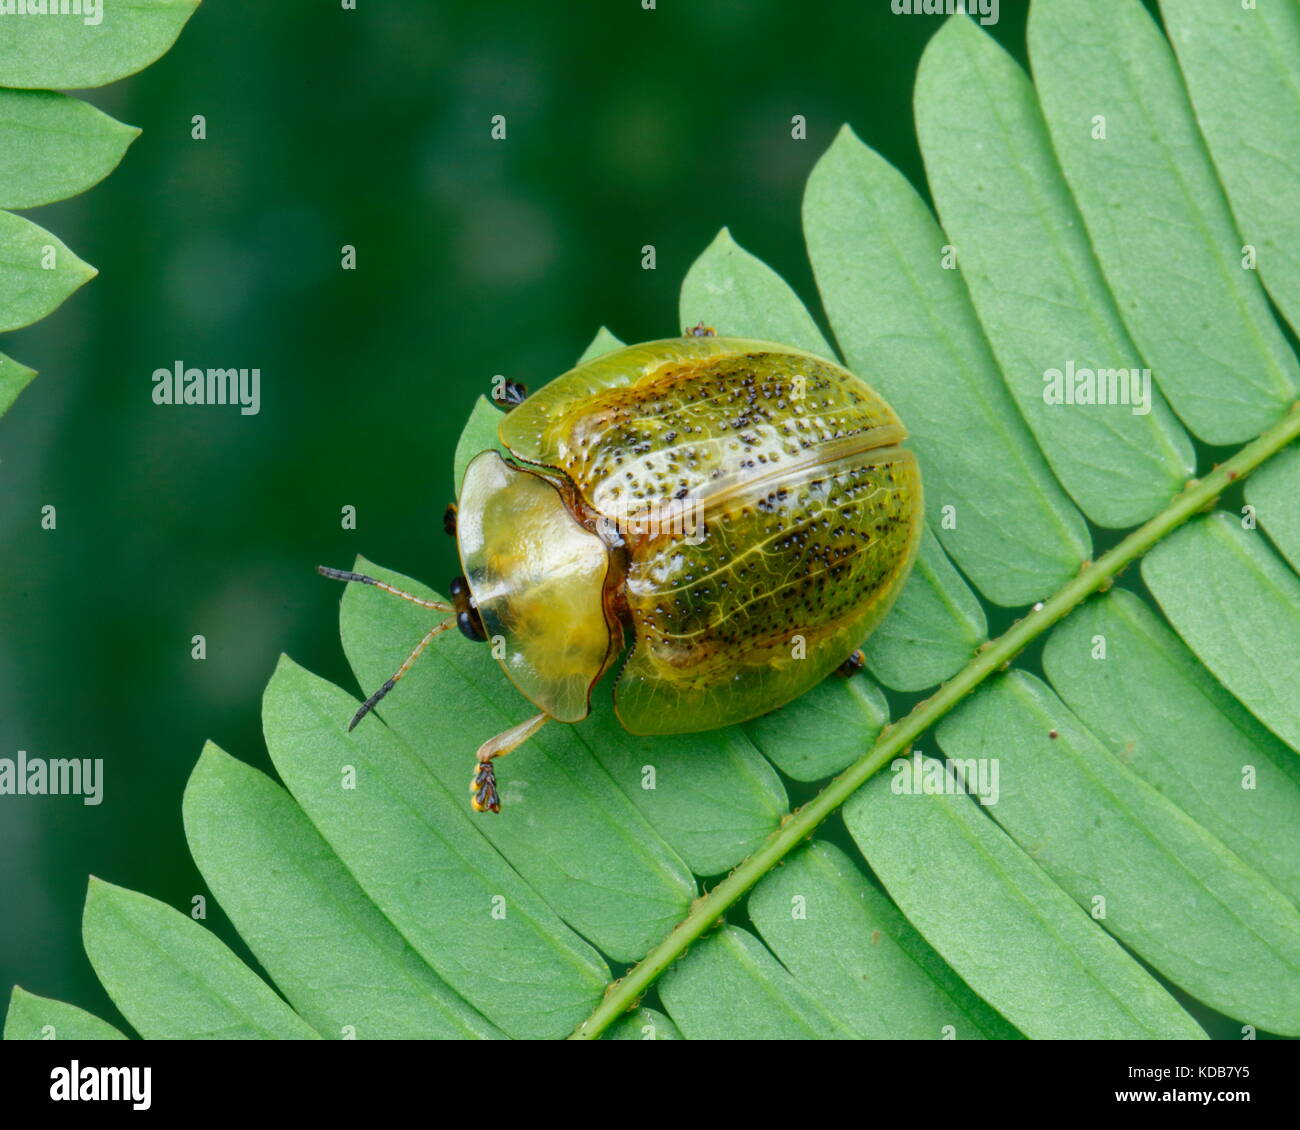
column 744, row 511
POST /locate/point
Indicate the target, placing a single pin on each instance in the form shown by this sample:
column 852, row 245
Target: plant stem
column 796, row 826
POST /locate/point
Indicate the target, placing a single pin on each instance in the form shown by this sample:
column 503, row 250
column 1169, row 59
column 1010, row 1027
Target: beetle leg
column 509, row 394
column 853, row 664
column 484, row 783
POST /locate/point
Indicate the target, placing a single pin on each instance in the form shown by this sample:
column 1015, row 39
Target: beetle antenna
column 361, row 578
column 369, row 704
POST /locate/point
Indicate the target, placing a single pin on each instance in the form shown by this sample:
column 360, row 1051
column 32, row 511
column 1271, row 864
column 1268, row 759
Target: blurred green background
column 475, row 257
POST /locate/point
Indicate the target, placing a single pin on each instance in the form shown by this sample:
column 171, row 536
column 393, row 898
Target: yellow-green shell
column 767, row 511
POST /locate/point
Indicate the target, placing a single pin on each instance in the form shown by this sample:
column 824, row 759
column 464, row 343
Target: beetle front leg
column 853, row 664
column 484, row 783
column 508, row 394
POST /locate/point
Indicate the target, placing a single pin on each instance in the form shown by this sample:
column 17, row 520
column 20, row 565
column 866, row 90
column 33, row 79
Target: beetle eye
column 468, row 620
column 471, row 627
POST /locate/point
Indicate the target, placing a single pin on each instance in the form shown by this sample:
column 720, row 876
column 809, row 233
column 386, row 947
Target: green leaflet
column 1136, row 686
column 13, row 379
column 824, row 729
column 711, row 797
column 741, row 296
column 644, row 1024
column 1242, row 68
column 604, row 342
column 1275, row 494
column 172, row 979
column 1157, row 216
column 478, row 435
column 565, row 824
column 411, row 846
column 933, row 629
column 1147, row 872
column 852, row 949
column 69, row 53
column 728, row 987
column 1024, row 255
column 329, row 950
column 906, row 325
column 37, row 272
column 54, row 146
column 1238, row 607
column 1008, row 931
column 39, row 1018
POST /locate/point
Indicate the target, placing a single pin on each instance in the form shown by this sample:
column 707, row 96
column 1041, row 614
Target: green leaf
column 907, row 327
column 172, row 979
column 741, row 296
column 604, row 342
column 823, row 730
column 1024, row 255
column 729, row 987
column 1135, row 685
column 1157, row 216
column 413, row 849
column 13, row 379
column 1013, row 935
column 55, row 146
column 1242, row 68
column 37, row 272
column 566, row 825
column 711, row 797
column 479, row 434
column 849, row 946
column 1238, row 607
column 1152, row 876
column 1275, row 495
column 933, row 629
column 332, row 953
column 644, row 1024
column 107, row 43
column 39, row 1018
